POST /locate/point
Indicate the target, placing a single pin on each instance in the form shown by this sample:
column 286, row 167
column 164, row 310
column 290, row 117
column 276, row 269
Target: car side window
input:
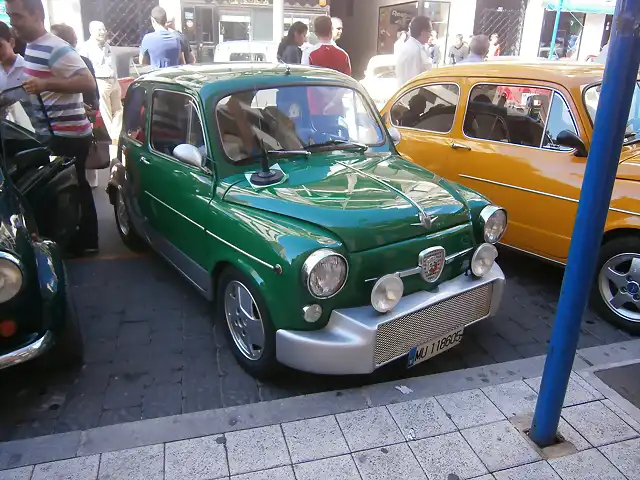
column 135, row 114
column 560, row 119
column 507, row 113
column 431, row 108
column 174, row 121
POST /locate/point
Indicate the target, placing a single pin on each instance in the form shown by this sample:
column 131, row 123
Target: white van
column 246, row 51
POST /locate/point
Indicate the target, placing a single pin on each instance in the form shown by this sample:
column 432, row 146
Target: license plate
column 430, row 349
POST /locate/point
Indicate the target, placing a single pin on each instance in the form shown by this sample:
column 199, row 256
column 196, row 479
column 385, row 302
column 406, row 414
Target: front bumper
column 359, row 340
column 28, row 352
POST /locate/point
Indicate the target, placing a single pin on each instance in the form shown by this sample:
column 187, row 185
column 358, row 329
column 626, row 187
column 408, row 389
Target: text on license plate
column 430, row 349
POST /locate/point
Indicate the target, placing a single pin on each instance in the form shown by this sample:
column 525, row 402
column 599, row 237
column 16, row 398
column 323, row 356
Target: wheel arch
column 616, row 233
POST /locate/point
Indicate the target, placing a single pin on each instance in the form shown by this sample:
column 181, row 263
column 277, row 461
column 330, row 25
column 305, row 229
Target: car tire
column 616, row 279
column 233, row 288
column 68, row 349
column 124, row 225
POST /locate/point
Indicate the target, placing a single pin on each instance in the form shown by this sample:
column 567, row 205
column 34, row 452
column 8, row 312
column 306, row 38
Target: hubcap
column 619, row 283
column 244, row 320
column 123, row 216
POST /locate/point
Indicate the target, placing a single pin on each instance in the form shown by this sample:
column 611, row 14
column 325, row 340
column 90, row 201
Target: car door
column 510, row 154
column 178, row 193
column 134, row 151
column 425, row 114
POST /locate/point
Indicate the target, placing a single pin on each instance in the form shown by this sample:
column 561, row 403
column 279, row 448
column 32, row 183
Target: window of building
column 507, row 113
column 135, row 114
column 431, row 108
column 174, row 121
column 569, row 34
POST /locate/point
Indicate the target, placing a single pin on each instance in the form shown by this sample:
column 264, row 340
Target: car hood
column 629, row 167
column 367, row 200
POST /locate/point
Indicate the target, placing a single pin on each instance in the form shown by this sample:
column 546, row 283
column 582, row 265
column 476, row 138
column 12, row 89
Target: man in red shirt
column 326, row 53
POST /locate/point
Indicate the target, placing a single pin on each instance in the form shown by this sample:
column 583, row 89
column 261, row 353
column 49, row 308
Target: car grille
column 397, row 337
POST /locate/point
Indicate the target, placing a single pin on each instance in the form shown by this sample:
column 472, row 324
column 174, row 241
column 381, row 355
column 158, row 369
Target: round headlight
column 494, row 223
column 324, row 273
column 10, row 277
column 483, row 259
column 386, row 293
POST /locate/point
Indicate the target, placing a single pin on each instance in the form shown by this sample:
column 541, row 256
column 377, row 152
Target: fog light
column 386, row 293
column 312, row 313
column 7, row 328
column 483, row 259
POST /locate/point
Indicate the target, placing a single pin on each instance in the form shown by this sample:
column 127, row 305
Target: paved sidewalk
column 454, row 425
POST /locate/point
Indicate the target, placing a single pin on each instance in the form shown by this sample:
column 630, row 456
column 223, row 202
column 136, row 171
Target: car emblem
column 431, row 262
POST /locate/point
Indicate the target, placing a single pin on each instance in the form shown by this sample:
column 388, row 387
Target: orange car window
column 431, row 108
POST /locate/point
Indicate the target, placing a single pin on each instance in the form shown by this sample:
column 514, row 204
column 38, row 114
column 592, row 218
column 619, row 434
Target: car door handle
column 144, row 160
column 460, row 146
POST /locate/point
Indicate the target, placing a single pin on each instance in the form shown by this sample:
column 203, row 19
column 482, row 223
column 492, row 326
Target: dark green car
column 279, row 194
column 38, row 204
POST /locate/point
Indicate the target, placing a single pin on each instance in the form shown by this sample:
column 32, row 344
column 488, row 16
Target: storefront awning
column 585, row 6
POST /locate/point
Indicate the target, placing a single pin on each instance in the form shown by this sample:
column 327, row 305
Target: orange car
column 520, row 133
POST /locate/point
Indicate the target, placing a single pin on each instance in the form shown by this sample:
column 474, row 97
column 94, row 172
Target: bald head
column 336, row 27
column 98, row 31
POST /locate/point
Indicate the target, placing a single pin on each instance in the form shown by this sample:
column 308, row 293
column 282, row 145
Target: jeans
column 78, row 147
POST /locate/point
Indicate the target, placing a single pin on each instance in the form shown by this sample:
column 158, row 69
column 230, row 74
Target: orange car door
column 510, row 154
column 424, row 114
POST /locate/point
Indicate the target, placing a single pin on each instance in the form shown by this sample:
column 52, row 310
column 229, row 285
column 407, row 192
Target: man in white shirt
column 412, row 58
column 99, row 52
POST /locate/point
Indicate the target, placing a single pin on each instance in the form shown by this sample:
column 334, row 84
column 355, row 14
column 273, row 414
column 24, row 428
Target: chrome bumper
column 28, row 352
column 359, row 340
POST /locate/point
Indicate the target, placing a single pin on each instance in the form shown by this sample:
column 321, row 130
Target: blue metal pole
column 554, row 35
column 618, row 87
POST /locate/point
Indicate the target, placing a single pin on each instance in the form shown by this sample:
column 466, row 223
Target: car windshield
column 592, row 97
column 295, row 118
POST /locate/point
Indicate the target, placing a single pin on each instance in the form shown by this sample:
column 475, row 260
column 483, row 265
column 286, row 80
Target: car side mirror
column 395, row 134
column 189, row 154
column 571, row 140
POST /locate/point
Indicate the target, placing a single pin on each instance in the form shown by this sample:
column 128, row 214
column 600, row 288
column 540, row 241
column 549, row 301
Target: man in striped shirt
column 56, row 72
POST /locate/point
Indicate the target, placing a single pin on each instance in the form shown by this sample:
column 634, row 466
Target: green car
column 278, row 193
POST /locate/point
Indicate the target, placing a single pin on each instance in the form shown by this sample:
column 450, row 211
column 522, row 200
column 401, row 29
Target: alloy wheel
column 244, row 320
column 619, row 285
column 123, row 216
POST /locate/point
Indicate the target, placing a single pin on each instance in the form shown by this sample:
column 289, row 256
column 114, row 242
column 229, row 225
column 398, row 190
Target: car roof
column 239, row 75
column 570, row 74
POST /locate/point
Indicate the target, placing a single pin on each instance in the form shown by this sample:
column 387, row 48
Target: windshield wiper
column 630, row 137
column 342, row 144
column 288, row 153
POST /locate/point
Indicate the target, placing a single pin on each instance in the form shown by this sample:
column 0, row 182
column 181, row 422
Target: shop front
column 207, row 23
column 584, row 28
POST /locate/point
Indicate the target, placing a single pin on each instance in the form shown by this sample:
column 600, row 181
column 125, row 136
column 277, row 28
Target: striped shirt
column 47, row 57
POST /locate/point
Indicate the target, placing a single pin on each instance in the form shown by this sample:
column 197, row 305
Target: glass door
column 199, row 28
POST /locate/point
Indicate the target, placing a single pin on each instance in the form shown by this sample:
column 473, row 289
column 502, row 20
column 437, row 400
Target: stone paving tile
column 531, row 471
column 571, row 435
column 447, row 455
column 587, row 465
column 23, row 473
column 421, row 418
column 395, row 462
column 369, row 428
column 515, row 398
column 144, row 463
column 197, row 459
column 576, row 393
column 256, row 449
column 335, row 468
column 488, row 476
column 469, row 408
column 597, row 424
column 625, row 456
column 81, row 468
column 622, row 414
column 314, row 439
column 500, row 446
column 281, row 473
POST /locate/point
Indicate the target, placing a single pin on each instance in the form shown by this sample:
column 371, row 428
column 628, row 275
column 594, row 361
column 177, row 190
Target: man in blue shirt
column 161, row 48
